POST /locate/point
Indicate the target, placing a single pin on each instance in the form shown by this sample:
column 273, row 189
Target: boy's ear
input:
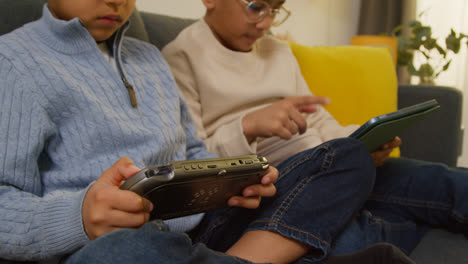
column 209, row 4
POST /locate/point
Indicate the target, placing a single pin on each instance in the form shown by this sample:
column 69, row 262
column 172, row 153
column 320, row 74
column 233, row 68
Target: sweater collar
column 68, row 37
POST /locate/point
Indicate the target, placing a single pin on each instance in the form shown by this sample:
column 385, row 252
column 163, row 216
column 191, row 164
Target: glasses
column 257, row 10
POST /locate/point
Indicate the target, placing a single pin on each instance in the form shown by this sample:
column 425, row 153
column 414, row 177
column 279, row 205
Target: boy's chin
column 241, row 48
column 246, row 46
column 102, row 36
column 245, row 49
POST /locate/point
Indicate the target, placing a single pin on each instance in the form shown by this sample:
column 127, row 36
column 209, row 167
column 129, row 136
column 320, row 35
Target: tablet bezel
column 395, row 123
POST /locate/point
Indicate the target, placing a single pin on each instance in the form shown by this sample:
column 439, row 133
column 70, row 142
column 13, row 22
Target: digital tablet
column 381, row 129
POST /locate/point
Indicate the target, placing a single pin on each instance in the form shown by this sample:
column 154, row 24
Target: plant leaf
column 430, row 43
column 412, row 70
column 414, row 24
column 447, row 65
column 423, row 33
column 408, row 44
column 404, row 58
column 452, row 42
column 426, row 54
column 396, row 30
column 441, row 50
column 426, row 70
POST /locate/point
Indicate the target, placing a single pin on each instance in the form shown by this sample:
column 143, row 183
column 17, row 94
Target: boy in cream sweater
column 246, row 94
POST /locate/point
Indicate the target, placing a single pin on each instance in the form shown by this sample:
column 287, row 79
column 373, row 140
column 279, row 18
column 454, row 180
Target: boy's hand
column 253, row 194
column 107, row 208
column 282, row 119
column 381, row 155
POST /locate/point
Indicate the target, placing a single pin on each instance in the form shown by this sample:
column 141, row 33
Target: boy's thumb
column 119, row 171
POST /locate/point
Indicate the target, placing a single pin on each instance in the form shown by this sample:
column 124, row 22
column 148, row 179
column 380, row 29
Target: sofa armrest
column 437, row 138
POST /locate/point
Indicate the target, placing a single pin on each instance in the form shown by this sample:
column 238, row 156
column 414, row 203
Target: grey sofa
column 437, row 138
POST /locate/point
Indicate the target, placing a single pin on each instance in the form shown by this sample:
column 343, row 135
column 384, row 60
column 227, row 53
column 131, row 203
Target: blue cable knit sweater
column 66, row 117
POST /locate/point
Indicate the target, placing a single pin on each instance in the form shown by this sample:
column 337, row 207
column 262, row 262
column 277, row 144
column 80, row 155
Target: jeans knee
column 355, row 157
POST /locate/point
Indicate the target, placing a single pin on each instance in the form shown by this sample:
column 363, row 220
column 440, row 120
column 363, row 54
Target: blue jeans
column 153, row 243
column 409, row 197
column 318, row 192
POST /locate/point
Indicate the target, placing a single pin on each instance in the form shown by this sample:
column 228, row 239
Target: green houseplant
column 436, row 57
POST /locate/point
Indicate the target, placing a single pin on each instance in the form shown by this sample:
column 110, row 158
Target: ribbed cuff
column 232, row 141
column 62, row 224
column 184, row 224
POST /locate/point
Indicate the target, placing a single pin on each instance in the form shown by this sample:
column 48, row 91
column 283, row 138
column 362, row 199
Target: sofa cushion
column 360, row 81
column 137, row 27
column 441, row 247
column 19, row 13
column 163, row 29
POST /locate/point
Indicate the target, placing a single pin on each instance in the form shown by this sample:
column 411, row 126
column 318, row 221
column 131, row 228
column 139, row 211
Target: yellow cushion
column 360, row 81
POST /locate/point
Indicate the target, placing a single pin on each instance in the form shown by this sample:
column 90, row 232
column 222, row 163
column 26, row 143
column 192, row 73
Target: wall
column 314, row 22
column 442, row 17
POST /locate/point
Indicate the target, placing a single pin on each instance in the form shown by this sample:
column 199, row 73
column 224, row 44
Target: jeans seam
column 326, row 164
column 160, row 227
column 304, row 182
column 413, row 202
column 399, row 226
column 457, row 215
column 304, row 158
column 420, row 203
column 290, row 228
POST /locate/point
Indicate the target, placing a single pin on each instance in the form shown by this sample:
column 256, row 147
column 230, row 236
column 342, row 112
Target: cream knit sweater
column 220, row 86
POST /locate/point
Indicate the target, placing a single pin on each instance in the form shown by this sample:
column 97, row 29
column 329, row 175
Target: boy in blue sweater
column 72, row 110
column 77, row 99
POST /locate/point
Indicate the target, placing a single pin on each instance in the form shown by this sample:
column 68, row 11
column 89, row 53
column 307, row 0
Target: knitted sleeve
column 32, row 225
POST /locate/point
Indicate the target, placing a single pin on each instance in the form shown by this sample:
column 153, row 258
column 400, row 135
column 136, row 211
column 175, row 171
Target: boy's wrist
column 245, row 130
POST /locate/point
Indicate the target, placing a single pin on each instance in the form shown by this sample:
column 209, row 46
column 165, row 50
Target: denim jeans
column 318, row 192
column 409, row 197
column 153, row 243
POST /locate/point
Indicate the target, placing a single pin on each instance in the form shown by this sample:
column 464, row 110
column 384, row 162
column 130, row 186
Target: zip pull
column 131, row 92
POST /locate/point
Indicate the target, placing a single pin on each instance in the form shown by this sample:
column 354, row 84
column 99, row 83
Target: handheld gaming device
column 188, row 187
